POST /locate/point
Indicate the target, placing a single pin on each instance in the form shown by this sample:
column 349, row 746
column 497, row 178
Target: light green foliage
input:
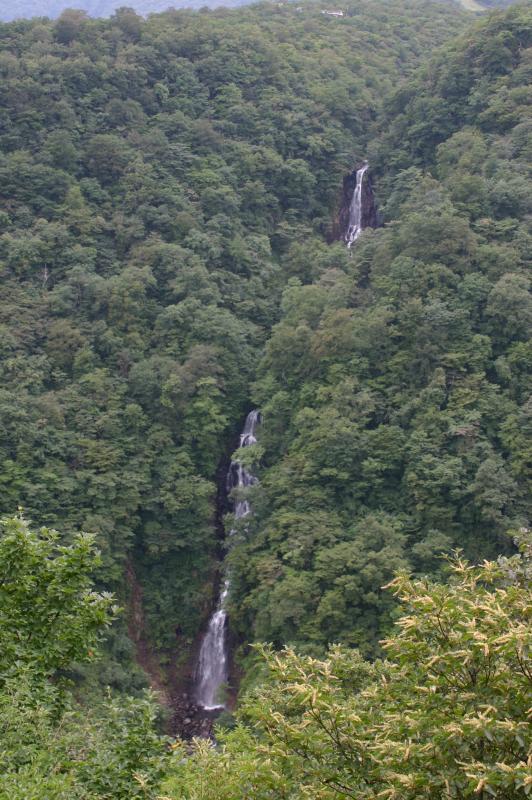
column 111, row 751
column 51, row 620
column 166, row 186
column 50, row 616
column 446, row 715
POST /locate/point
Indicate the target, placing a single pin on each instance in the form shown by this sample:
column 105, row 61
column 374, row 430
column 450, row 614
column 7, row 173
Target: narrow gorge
column 211, row 674
column 325, row 215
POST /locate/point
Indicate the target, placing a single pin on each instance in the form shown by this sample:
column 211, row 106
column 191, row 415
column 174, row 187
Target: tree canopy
column 51, row 620
column 395, row 388
column 157, row 179
column 169, row 192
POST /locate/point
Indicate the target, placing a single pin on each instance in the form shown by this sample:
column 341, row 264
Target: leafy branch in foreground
column 51, row 619
column 49, row 614
column 446, row 716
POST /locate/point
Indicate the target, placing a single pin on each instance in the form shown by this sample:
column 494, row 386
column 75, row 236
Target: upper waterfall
column 356, row 209
column 213, row 663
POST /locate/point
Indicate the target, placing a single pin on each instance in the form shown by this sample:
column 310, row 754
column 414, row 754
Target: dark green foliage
column 159, row 180
column 479, row 81
column 165, row 188
column 395, row 389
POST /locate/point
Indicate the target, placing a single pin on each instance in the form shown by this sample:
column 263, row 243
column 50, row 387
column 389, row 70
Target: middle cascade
column 213, row 663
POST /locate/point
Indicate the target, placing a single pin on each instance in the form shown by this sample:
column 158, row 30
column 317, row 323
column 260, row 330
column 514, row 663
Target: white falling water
column 355, row 209
column 213, row 662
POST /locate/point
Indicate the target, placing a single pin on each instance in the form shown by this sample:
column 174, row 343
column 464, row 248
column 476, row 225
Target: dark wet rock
column 191, row 721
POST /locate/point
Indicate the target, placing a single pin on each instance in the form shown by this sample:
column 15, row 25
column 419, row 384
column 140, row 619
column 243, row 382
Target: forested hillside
column 396, row 387
column 155, row 181
column 171, row 257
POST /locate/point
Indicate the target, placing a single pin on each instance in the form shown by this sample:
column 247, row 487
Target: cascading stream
column 356, row 208
column 213, row 663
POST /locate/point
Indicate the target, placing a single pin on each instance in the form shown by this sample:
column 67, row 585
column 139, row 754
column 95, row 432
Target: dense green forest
column 445, row 716
column 155, row 180
column 168, row 193
column 396, row 386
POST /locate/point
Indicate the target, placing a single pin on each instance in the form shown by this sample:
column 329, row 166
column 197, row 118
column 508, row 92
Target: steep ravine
column 189, row 718
column 144, row 652
column 172, row 676
column 191, row 688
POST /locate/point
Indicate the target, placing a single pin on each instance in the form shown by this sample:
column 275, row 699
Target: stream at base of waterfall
column 212, row 669
column 356, row 208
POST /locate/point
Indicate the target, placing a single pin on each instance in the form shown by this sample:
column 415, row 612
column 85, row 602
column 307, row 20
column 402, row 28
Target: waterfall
column 213, row 663
column 356, row 208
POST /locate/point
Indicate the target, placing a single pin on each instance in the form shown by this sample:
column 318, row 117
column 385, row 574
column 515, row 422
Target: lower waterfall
column 212, row 669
